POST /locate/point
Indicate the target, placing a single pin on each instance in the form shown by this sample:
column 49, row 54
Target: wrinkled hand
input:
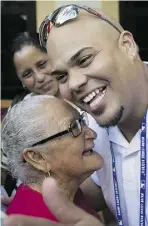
column 67, row 213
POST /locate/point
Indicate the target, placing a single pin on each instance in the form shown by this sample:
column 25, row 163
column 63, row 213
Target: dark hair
column 26, row 38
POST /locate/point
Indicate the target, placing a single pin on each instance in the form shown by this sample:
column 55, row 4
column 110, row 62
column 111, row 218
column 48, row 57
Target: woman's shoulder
column 30, row 203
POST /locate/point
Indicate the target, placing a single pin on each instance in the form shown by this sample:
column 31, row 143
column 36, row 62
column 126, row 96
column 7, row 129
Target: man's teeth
column 91, row 96
column 97, row 100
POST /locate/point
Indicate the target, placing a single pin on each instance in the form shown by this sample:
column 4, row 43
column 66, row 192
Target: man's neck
column 130, row 127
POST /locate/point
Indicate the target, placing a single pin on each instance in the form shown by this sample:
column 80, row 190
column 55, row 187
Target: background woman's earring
column 23, row 86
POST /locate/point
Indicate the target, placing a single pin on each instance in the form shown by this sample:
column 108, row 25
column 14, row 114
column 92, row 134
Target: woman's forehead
column 28, row 56
column 59, row 113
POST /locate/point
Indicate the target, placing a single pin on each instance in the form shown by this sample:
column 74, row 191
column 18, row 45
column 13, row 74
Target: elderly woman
column 46, row 137
column 34, row 71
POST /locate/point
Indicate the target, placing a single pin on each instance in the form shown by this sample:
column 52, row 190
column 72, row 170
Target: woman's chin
column 94, row 161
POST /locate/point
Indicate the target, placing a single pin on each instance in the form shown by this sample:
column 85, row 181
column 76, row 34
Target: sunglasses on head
column 64, row 14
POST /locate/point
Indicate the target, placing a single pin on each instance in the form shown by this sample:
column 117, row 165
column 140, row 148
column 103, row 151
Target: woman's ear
column 35, row 159
column 127, row 43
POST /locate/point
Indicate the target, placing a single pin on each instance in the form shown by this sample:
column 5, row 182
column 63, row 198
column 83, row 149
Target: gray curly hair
column 22, row 126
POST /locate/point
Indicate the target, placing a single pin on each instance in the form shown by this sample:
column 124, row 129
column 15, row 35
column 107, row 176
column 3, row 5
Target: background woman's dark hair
column 26, row 38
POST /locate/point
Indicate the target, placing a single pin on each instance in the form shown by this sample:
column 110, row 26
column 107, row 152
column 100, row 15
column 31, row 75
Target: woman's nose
column 40, row 77
column 89, row 133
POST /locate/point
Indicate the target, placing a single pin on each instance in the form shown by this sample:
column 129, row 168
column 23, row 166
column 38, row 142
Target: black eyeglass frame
column 81, row 120
column 45, row 25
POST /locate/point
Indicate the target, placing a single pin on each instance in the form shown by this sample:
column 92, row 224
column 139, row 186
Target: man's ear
column 128, row 44
column 35, row 159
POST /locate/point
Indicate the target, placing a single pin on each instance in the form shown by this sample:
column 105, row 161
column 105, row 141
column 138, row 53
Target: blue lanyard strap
column 142, row 179
column 143, row 173
column 116, row 188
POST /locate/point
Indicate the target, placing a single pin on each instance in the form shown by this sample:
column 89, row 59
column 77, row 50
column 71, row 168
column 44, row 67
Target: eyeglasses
column 75, row 129
column 64, row 14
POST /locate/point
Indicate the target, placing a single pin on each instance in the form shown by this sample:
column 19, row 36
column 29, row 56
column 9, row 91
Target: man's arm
column 94, row 194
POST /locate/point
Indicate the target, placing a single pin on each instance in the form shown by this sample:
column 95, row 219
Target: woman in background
column 32, row 66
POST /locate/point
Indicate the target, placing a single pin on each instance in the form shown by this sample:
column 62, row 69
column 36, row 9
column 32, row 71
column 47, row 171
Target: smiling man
column 97, row 65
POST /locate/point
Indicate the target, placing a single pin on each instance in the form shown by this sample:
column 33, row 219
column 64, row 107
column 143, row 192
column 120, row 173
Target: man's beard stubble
column 114, row 121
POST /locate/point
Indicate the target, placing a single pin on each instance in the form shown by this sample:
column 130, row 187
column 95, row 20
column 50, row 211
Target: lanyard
column 143, row 173
column 143, row 168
